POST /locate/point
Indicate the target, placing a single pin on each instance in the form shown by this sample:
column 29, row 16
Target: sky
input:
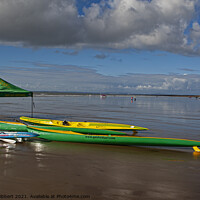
column 101, row 46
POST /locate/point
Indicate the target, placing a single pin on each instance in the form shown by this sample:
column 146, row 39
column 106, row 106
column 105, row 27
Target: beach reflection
column 196, row 155
column 7, row 157
column 38, row 148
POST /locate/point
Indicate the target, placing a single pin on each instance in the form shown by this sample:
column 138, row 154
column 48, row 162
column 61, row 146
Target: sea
column 38, row 169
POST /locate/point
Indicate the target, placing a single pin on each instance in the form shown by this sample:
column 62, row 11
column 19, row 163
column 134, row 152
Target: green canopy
column 9, row 90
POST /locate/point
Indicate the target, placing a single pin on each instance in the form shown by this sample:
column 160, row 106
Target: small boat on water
column 92, row 125
column 103, row 96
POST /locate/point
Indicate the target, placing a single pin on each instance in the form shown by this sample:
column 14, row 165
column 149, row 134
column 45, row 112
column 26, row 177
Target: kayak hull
column 93, row 125
column 69, row 136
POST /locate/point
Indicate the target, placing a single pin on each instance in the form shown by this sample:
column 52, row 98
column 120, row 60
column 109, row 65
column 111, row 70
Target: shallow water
column 103, row 171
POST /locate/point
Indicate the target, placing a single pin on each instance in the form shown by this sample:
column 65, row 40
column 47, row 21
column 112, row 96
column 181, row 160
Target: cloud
column 169, row 83
column 73, row 53
column 39, row 23
column 101, row 56
column 188, row 69
column 49, row 77
column 195, row 34
column 118, row 24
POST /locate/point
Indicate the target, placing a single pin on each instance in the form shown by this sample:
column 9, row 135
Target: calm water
column 102, row 171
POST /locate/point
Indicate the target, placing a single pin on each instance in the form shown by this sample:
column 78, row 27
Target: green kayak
column 70, row 136
column 12, row 126
column 16, row 126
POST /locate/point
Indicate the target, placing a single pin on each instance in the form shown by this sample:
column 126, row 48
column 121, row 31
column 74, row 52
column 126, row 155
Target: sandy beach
column 61, row 170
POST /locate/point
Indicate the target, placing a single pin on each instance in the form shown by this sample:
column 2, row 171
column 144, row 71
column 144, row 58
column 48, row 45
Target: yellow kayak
column 93, row 125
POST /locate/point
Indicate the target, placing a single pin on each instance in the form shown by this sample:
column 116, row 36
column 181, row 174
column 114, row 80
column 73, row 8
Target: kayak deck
column 92, row 125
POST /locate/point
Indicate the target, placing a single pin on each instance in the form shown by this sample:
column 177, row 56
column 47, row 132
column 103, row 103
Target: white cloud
column 117, row 24
column 195, row 34
column 168, row 83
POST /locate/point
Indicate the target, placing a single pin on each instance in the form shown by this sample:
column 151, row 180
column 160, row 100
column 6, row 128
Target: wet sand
column 61, row 170
column 102, row 172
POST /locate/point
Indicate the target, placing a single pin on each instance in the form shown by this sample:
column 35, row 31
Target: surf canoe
column 93, row 125
column 13, row 135
column 70, row 136
column 12, row 126
column 15, row 126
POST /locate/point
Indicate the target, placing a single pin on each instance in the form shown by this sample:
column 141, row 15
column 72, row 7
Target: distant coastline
column 54, row 93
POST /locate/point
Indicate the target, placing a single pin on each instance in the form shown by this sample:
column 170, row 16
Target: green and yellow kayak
column 12, row 126
column 70, row 136
column 16, row 126
column 92, row 125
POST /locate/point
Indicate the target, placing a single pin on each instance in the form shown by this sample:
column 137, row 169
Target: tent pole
column 32, row 104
